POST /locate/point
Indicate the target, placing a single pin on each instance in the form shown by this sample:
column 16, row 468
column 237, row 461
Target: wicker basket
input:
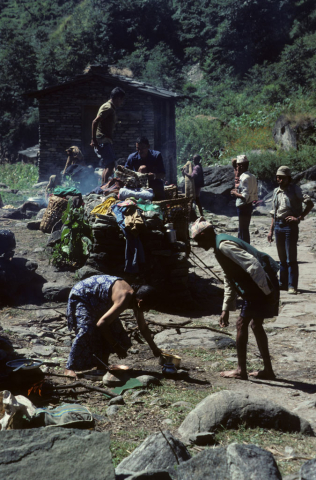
column 177, row 211
column 54, row 211
column 171, row 192
column 132, row 179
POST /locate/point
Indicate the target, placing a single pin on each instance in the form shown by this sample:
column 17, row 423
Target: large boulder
column 230, row 409
column 7, row 242
column 14, row 274
column 58, row 291
column 55, row 454
column 308, row 470
column 283, row 133
column 158, row 451
column 242, row 462
column 215, row 195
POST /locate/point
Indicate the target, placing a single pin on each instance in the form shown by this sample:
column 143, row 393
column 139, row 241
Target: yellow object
column 169, row 358
column 103, row 207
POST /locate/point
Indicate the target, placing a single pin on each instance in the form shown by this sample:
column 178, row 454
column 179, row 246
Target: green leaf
column 66, row 249
column 65, row 233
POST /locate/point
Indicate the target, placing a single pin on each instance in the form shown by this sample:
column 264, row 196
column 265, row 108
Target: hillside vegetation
column 240, row 65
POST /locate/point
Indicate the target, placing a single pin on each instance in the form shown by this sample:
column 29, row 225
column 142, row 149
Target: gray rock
column 152, row 475
column 58, row 291
column 119, row 400
column 43, row 350
column 167, row 421
column 39, row 250
column 113, row 410
column 55, row 454
column 155, row 453
column 147, row 380
column 139, row 393
column 283, row 133
column 33, row 225
column 170, row 338
column 242, row 462
column 54, row 238
column 86, row 272
column 40, row 214
column 308, row 470
column 203, row 438
column 215, row 195
column 230, row 409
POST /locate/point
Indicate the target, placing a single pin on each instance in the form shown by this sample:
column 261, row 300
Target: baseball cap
column 284, row 171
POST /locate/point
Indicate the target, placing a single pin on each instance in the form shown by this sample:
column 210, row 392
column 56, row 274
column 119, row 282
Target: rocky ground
column 38, row 329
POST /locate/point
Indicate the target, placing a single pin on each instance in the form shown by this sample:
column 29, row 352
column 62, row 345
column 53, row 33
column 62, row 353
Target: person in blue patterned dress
column 102, row 333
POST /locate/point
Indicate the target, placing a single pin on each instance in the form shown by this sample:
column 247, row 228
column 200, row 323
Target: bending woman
column 102, row 333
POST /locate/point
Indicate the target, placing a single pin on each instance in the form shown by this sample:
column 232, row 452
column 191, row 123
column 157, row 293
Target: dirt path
column 292, row 336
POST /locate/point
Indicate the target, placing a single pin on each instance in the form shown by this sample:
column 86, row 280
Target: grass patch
column 18, row 176
column 288, row 461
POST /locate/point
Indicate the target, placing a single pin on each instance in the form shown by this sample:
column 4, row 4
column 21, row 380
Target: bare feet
column 263, row 375
column 70, row 373
column 234, row 374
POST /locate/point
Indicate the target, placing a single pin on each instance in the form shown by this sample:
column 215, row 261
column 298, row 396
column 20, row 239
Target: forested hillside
column 241, row 62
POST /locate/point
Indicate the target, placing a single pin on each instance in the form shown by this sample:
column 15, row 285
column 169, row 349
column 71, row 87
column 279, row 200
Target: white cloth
column 12, row 404
column 249, row 264
column 248, row 188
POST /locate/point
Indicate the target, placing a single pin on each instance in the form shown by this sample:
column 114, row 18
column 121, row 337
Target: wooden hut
column 66, row 112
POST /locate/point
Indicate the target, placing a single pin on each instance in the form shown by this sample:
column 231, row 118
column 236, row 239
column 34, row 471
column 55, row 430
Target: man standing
column 198, row 176
column 252, row 275
column 246, row 193
column 287, row 213
column 149, row 161
column 102, row 132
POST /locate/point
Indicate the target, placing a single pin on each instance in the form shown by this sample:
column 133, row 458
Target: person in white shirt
column 245, row 194
column 252, row 275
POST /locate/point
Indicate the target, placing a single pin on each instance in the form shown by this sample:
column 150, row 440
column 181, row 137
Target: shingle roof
column 115, row 79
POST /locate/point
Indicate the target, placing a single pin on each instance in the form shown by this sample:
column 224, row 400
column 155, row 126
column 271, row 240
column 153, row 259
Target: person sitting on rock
column 102, row 333
column 252, row 275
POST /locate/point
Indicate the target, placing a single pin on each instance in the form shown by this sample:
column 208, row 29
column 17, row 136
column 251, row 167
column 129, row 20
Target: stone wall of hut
column 66, row 114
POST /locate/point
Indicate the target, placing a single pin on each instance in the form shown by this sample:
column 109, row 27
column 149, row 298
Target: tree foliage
column 255, row 52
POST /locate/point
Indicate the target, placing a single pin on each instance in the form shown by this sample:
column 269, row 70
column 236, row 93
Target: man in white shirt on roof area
column 246, row 193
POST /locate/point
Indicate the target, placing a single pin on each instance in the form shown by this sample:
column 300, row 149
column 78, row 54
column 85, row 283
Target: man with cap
column 287, row 212
column 245, row 194
column 252, row 275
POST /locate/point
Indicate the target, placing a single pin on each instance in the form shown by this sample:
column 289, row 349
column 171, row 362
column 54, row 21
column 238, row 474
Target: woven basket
column 175, row 208
column 54, row 211
column 171, row 192
column 132, row 179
